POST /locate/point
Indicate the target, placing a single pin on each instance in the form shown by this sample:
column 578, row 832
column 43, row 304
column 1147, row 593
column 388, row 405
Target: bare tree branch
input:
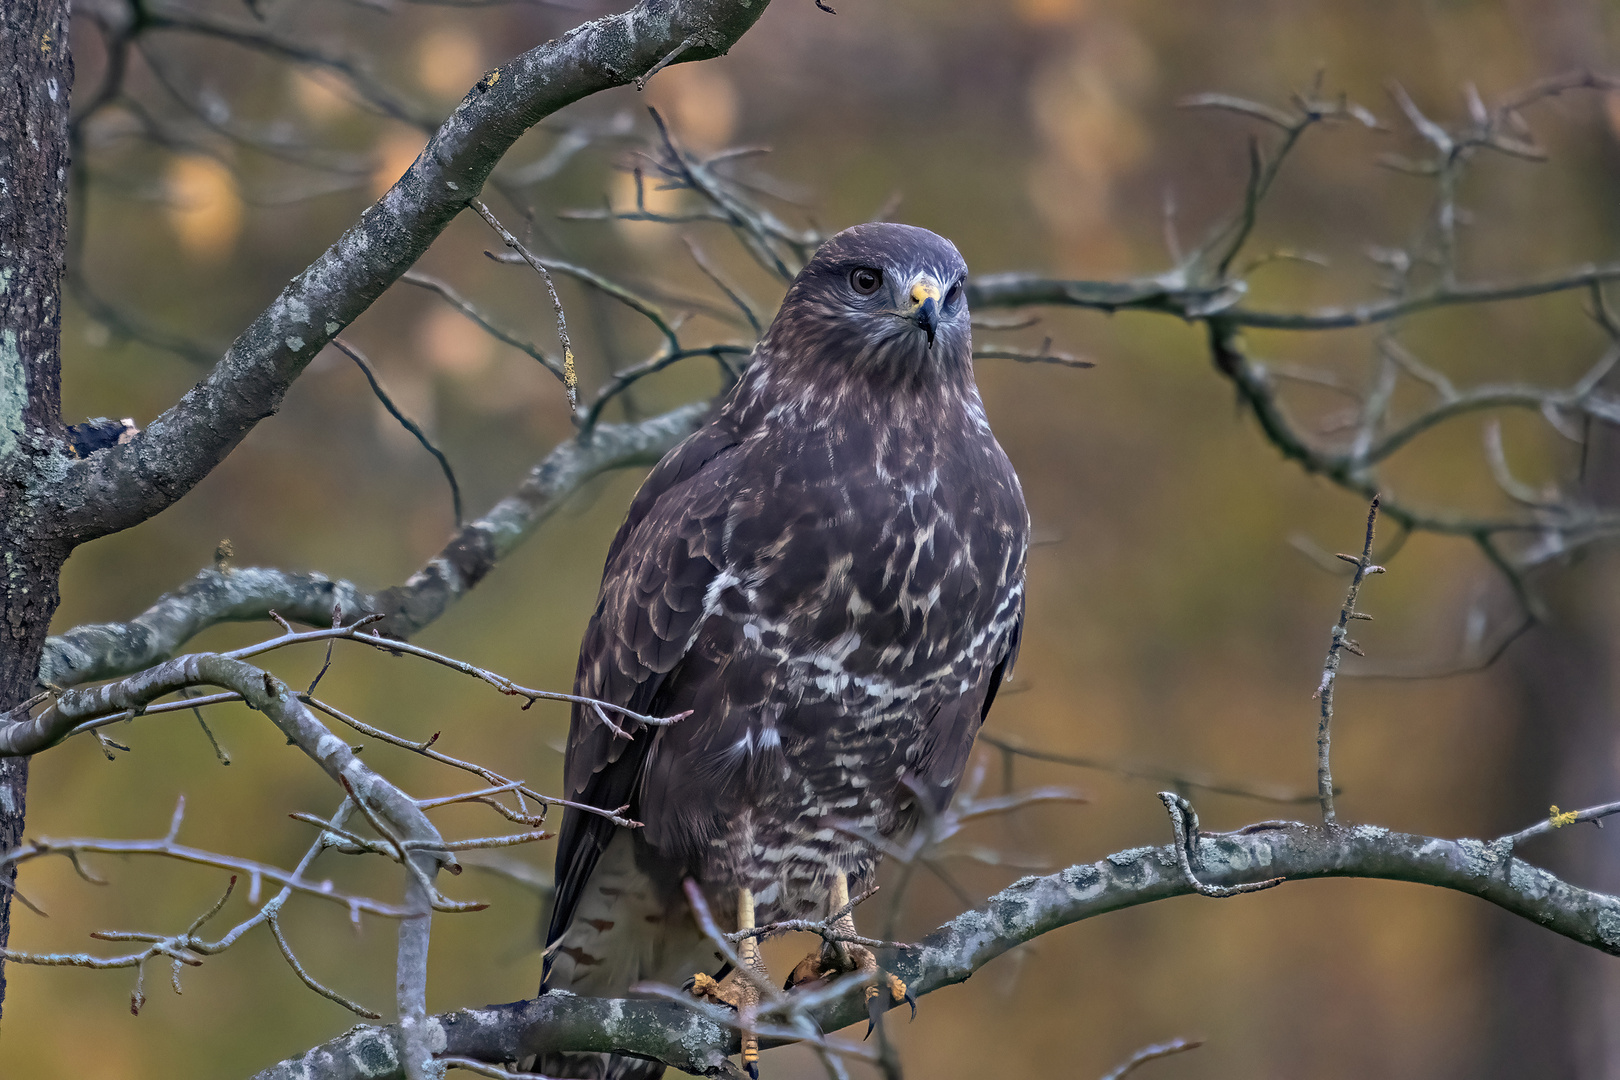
column 111, row 650
column 77, row 711
column 118, row 488
column 168, row 848
column 375, row 796
column 687, row 1039
column 1169, row 294
column 1337, row 644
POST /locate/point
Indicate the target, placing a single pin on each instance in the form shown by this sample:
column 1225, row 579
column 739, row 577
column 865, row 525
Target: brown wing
column 653, row 588
column 951, row 731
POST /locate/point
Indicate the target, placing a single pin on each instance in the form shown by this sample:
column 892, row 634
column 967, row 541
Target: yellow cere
column 923, row 290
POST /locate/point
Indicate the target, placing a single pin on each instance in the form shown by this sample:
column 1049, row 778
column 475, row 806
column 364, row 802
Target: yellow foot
column 730, row 991
column 825, row 965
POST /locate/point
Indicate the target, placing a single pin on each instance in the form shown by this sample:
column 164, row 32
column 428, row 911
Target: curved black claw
column 876, row 1007
column 753, row 1070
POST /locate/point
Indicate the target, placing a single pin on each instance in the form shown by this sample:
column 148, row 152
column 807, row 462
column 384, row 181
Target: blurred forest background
column 1172, row 622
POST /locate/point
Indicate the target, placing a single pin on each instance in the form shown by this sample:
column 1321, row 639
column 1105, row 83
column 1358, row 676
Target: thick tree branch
column 111, row 650
column 118, row 488
column 1172, row 293
column 691, row 1041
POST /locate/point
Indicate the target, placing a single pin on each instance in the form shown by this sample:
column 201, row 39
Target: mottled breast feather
column 830, row 576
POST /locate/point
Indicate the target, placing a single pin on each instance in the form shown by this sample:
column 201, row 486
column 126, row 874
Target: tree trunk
column 36, row 75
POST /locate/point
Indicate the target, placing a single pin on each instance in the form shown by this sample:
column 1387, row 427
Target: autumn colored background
column 1172, row 622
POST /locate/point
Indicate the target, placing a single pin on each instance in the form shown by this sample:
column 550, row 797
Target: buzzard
column 829, row 576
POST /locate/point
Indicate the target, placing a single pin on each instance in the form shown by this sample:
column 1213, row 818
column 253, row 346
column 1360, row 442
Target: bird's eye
column 954, row 296
column 865, row 280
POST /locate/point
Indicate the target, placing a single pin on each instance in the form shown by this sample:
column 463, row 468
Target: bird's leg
column 845, row 925
column 838, row 956
column 739, row 989
column 748, row 952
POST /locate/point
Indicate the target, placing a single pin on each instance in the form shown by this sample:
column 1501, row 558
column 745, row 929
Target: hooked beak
column 925, row 307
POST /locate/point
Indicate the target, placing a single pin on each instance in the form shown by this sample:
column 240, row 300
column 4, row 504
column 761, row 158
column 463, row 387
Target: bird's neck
column 935, row 399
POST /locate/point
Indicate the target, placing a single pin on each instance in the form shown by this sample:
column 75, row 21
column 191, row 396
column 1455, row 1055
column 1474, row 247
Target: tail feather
column 629, row 927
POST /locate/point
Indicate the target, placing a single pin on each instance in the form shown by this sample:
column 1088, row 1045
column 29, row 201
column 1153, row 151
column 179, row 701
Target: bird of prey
column 829, row 577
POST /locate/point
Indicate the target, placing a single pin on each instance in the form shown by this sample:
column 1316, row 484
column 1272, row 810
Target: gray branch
column 112, row 650
column 1209, row 286
column 396, row 816
column 120, row 487
column 695, row 1042
column 1171, row 292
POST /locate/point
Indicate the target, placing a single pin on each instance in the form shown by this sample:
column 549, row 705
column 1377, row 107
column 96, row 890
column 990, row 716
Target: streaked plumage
column 829, row 574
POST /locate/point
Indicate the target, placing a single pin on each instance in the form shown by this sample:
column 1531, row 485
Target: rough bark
column 1028, row 908
column 52, row 500
column 36, row 76
column 127, row 484
column 224, row 594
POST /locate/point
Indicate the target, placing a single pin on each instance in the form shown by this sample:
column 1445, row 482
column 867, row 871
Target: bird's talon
column 705, row 987
column 898, row 992
column 874, row 1012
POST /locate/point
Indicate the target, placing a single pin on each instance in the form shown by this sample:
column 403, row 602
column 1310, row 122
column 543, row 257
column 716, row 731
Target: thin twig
column 570, row 375
column 1151, row 1053
column 1184, row 823
column 405, row 422
column 1558, row 820
column 1341, row 640
column 1010, row 745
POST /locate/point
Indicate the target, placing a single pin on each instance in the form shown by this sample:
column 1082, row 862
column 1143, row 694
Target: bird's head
column 883, row 299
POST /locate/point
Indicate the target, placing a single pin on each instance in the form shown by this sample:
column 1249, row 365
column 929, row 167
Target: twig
column 705, row 920
column 1151, row 1053
column 1557, row 820
column 1043, row 355
column 309, row 980
column 254, row 871
column 570, row 376
column 484, row 1068
column 814, row 926
column 1341, row 640
column 641, row 81
column 614, row 815
column 479, row 318
column 405, row 422
column 623, row 380
column 219, row 751
column 1010, row 745
column 113, row 650
column 1184, row 822
column 732, row 294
